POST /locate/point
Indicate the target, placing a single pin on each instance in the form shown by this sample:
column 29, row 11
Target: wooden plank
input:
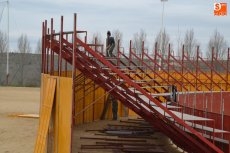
column 45, row 116
column 29, row 115
column 79, row 107
column 64, row 115
column 44, row 78
column 100, row 97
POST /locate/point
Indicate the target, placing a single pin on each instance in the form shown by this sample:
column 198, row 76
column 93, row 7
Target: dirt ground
column 18, row 134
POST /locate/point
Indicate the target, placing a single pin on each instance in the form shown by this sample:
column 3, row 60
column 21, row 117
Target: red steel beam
column 43, row 47
column 73, row 76
column 61, row 46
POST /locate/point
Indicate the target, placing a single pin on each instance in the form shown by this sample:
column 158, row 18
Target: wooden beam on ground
column 115, row 139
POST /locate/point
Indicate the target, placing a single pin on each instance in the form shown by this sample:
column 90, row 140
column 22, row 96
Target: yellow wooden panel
column 109, row 112
column 122, row 110
column 55, row 118
column 44, row 79
column 99, row 94
column 64, row 115
column 88, row 106
column 132, row 113
column 45, row 115
column 79, row 107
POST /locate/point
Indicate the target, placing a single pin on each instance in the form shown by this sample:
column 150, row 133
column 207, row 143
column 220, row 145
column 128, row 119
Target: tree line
column 217, row 43
column 23, row 44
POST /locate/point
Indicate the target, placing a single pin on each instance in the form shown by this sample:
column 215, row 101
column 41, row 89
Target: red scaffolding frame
column 120, row 75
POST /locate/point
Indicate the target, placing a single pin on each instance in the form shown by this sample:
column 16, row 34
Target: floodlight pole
column 8, row 41
column 8, row 45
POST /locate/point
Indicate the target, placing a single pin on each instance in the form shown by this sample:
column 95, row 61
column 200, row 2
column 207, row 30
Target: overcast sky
column 129, row 16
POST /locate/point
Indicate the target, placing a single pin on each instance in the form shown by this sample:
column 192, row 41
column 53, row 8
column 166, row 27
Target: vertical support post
column 212, row 68
column 52, row 59
column 118, row 53
column 227, row 69
column 86, row 40
column 47, row 56
column 168, row 62
column 222, row 116
column 155, row 58
column 203, row 108
column 52, row 52
column 86, row 37
column 43, row 46
column 95, row 41
column 155, row 62
column 60, row 51
column 142, row 52
column 45, row 49
column 206, row 110
column 182, row 66
column 211, row 99
column 73, row 75
column 197, row 64
column 222, row 109
column 130, row 51
column 66, row 64
column 141, row 56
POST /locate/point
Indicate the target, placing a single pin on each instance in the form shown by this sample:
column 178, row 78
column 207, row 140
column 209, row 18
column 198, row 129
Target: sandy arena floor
column 17, row 134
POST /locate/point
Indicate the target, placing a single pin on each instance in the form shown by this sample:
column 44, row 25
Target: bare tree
column 190, row 43
column 138, row 38
column 97, row 38
column 24, row 44
column 38, row 49
column 117, row 36
column 165, row 42
column 179, row 43
column 3, row 42
column 220, row 45
column 23, row 48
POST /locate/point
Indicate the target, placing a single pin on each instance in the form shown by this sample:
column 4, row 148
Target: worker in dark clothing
column 174, row 93
column 110, row 44
column 114, row 106
column 110, row 100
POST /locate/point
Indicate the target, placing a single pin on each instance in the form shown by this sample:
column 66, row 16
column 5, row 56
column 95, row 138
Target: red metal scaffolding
column 143, row 82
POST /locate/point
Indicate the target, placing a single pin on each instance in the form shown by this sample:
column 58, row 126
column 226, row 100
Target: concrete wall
column 24, row 69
